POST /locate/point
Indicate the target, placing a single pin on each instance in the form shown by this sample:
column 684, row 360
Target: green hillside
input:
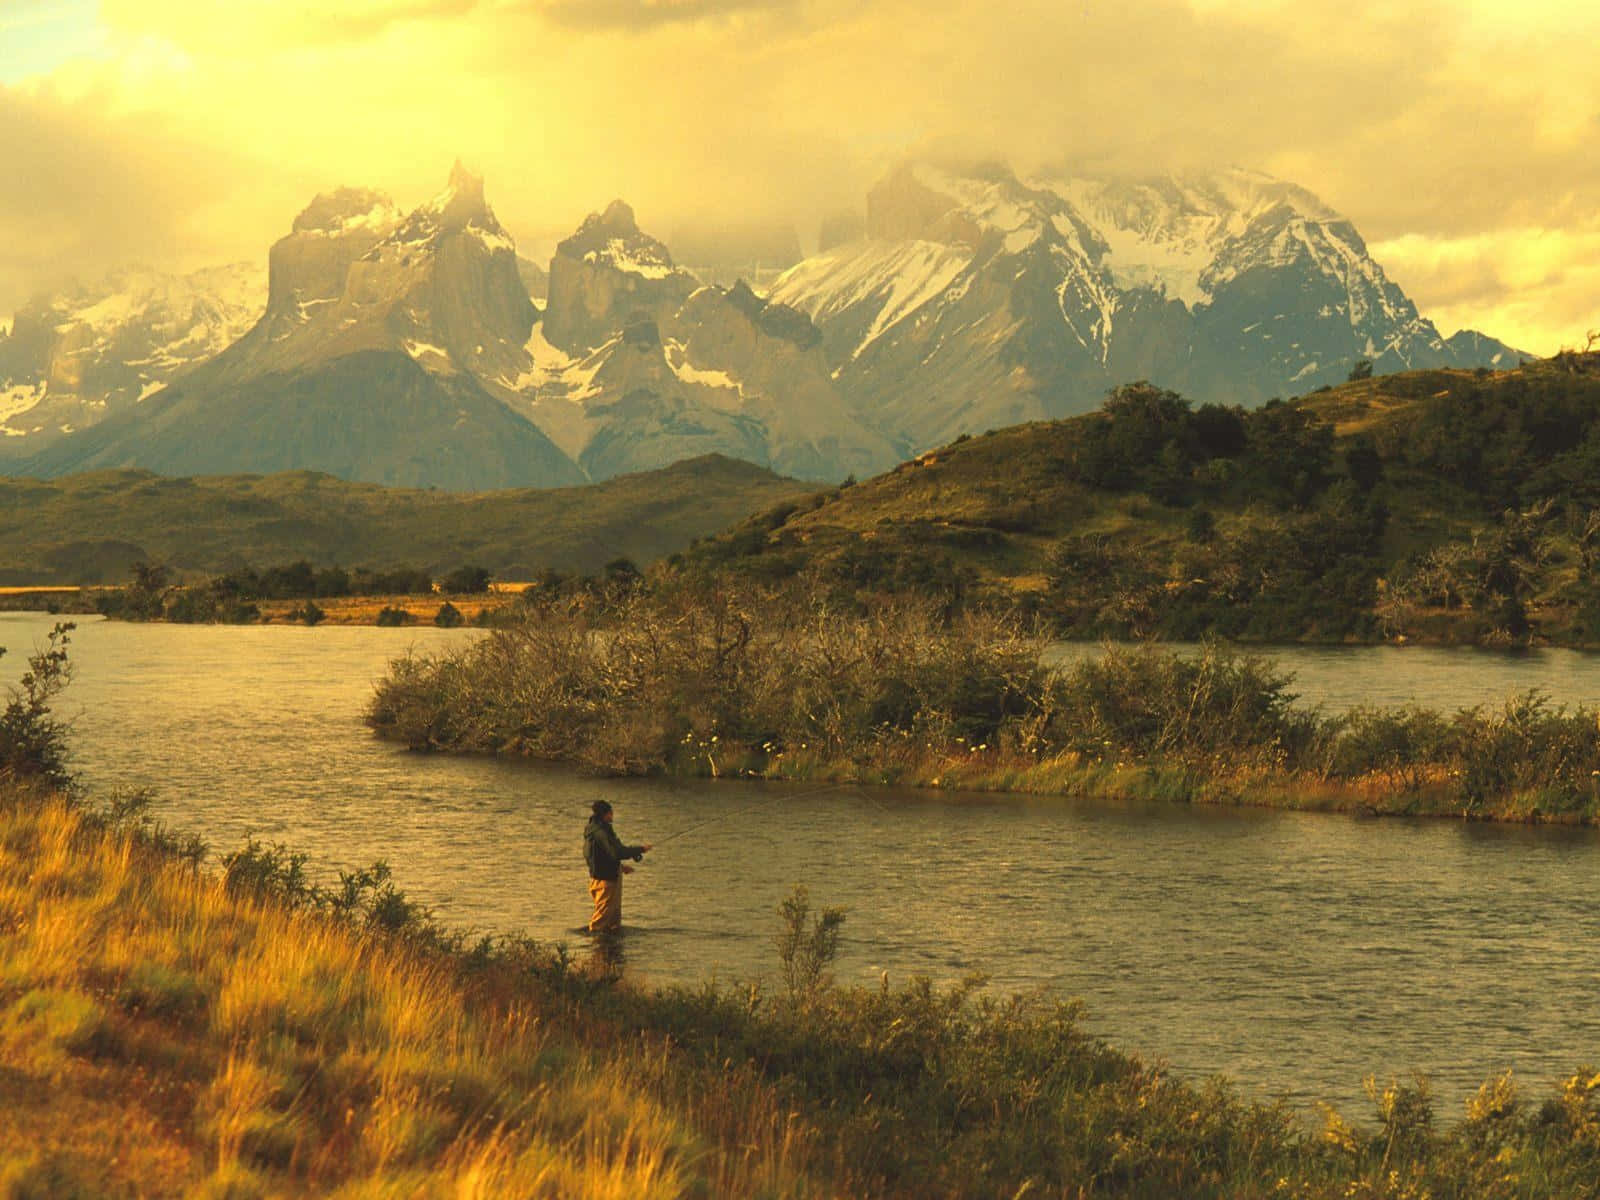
column 91, row 528
column 1445, row 505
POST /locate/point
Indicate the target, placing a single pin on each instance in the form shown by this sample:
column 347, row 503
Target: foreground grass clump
column 769, row 684
column 164, row 1031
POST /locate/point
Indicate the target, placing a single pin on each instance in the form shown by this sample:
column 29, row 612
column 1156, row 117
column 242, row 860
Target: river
column 1295, row 953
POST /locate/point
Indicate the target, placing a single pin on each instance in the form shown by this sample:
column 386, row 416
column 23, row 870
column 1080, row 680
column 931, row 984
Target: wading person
column 603, row 851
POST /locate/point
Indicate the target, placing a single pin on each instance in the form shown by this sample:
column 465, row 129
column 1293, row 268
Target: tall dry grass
column 284, row 1051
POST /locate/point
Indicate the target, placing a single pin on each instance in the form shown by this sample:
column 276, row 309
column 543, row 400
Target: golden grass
column 161, row 1036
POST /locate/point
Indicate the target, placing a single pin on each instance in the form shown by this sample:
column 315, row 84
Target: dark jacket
column 603, row 850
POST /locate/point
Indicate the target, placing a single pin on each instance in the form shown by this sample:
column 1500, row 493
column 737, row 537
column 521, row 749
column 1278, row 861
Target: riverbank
column 164, row 1030
column 474, row 608
column 755, row 686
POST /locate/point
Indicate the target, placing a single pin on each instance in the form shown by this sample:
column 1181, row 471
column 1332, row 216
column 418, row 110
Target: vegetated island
column 717, row 680
column 169, row 1031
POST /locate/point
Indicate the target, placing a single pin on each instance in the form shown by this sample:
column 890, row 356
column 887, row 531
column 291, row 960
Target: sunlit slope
column 1381, row 507
column 90, row 528
column 160, row 1036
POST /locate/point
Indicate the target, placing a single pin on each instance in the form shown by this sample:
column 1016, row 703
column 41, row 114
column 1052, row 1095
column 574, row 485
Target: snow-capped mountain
column 977, row 300
column 404, row 347
column 1276, row 281
column 635, row 365
column 367, row 363
column 606, row 274
column 68, row 361
column 973, row 302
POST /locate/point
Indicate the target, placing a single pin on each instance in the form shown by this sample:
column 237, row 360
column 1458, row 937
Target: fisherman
column 603, row 851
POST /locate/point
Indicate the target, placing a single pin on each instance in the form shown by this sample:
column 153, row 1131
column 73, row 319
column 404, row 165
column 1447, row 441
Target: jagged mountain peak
column 347, row 210
column 68, row 360
column 605, row 273
column 771, row 317
column 981, row 298
column 985, row 206
column 1227, row 197
column 613, row 238
column 462, row 203
column 461, row 207
column 618, row 217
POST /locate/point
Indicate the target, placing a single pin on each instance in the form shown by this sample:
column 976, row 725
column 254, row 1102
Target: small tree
column 466, row 581
column 1361, row 370
column 807, row 946
column 32, row 742
column 309, row 613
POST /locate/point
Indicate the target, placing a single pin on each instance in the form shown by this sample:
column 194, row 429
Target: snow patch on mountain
column 17, row 399
column 897, row 278
column 678, row 360
column 632, row 257
column 1167, row 233
column 419, row 350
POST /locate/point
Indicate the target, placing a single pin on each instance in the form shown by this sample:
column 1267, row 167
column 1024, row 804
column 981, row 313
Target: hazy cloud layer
column 1458, row 139
column 639, row 15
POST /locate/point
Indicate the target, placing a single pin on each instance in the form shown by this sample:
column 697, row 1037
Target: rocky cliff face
column 772, row 355
column 635, row 365
column 392, row 341
column 310, row 265
column 729, row 374
column 373, row 361
column 605, row 275
column 975, row 302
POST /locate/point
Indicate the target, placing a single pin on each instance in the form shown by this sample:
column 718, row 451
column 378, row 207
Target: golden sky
column 1460, row 138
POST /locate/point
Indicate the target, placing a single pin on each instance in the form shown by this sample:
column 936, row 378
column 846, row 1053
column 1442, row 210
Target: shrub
column 307, row 613
column 1146, row 702
column 389, row 615
column 448, row 616
column 466, row 581
column 1402, row 743
column 806, row 945
column 32, row 742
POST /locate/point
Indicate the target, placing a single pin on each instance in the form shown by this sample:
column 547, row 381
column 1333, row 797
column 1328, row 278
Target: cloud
column 256, row 25
column 1536, row 288
column 639, row 15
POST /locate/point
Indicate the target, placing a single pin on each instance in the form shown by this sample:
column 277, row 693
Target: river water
column 1296, row 953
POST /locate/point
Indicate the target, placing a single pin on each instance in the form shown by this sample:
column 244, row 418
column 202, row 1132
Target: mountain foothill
column 409, row 348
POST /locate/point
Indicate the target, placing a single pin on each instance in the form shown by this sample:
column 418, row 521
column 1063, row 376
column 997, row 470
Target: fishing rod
column 832, row 787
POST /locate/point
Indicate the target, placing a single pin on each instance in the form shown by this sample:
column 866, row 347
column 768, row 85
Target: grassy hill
column 1447, row 505
column 91, row 528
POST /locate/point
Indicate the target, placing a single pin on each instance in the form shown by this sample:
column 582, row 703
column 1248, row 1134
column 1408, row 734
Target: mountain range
column 408, row 349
